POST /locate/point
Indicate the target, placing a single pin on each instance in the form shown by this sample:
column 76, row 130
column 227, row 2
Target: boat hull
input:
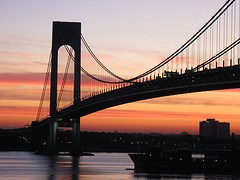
column 184, row 163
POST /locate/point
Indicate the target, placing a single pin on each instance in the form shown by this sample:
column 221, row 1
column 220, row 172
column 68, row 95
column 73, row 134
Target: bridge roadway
column 214, row 79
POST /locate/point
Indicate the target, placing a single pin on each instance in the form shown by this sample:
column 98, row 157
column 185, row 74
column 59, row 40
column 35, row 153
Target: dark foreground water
column 106, row 166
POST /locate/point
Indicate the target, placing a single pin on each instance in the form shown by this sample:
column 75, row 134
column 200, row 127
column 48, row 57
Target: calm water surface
column 106, row 166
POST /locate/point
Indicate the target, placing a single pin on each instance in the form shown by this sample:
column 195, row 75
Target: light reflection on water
column 107, row 166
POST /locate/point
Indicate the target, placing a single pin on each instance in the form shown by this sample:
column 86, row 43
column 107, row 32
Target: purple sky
column 128, row 36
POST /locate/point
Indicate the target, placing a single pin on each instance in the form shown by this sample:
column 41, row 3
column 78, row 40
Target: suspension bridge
column 81, row 84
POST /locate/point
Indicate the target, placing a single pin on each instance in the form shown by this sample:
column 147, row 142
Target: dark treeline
column 20, row 139
column 15, row 139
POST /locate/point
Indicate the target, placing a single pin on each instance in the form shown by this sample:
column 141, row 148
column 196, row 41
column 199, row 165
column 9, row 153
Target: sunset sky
column 129, row 37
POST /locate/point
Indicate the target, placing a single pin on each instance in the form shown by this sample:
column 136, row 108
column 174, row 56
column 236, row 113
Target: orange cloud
column 209, row 98
column 16, row 116
column 151, row 121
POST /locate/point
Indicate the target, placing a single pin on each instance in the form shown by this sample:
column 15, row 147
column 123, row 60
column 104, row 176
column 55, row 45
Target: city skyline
column 124, row 42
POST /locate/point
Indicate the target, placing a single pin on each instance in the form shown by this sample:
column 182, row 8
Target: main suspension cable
column 97, row 60
column 44, row 87
column 190, row 41
column 231, row 46
column 87, row 73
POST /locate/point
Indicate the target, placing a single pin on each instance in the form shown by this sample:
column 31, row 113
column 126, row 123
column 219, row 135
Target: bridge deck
column 214, row 79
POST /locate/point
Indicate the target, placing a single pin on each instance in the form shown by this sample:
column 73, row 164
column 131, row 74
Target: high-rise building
column 223, row 130
column 214, row 129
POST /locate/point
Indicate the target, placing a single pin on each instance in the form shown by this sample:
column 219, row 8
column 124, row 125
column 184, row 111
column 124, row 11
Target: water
column 106, row 166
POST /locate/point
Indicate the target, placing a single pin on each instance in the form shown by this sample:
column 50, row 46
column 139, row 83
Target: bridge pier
column 52, row 144
column 76, row 137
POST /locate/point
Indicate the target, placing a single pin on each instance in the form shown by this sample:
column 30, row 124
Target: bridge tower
column 65, row 33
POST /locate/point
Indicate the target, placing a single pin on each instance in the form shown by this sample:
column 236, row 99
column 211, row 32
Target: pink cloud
column 22, row 78
column 18, row 54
